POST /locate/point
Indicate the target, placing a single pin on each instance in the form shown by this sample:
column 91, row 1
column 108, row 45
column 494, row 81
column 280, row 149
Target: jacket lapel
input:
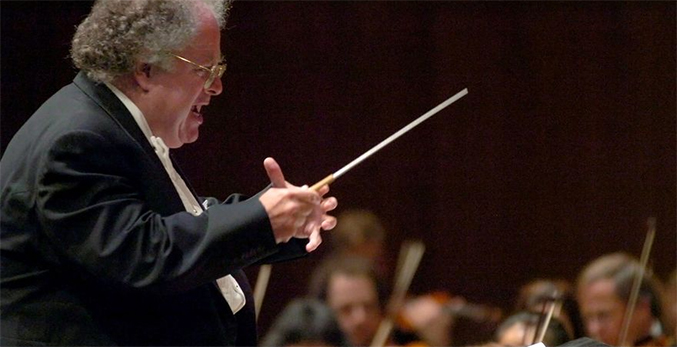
column 115, row 109
column 110, row 103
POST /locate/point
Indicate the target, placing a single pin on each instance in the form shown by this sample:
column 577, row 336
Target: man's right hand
column 295, row 211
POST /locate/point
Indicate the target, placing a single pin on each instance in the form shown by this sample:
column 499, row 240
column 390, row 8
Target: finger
column 323, row 190
column 329, row 204
column 300, row 218
column 274, row 172
column 329, row 223
column 306, row 195
column 314, row 241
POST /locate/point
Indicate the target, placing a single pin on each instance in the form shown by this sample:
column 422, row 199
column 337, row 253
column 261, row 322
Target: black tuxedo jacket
column 96, row 247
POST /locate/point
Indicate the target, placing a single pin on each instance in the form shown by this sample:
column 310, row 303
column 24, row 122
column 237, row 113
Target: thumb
column 274, row 173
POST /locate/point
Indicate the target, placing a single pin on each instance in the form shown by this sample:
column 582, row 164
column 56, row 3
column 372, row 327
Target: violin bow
column 637, row 283
column 260, row 287
column 411, row 253
column 549, row 306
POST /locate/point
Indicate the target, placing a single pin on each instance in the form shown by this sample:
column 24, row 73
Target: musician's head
column 534, row 296
column 305, row 322
column 360, row 232
column 604, row 288
column 165, row 55
column 351, row 288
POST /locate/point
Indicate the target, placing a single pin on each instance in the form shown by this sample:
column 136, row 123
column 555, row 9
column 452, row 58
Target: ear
column 143, row 74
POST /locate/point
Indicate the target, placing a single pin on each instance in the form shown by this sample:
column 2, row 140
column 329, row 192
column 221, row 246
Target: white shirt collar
column 133, row 109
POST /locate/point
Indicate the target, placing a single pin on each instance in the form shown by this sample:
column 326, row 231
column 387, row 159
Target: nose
column 216, row 88
column 359, row 315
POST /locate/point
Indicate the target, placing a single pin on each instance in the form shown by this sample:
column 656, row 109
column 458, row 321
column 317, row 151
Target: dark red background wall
column 562, row 149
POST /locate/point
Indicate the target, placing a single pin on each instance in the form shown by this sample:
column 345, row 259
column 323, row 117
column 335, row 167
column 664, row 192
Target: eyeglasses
column 217, row 70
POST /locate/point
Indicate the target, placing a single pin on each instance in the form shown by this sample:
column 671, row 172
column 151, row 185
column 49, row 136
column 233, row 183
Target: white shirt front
column 229, row 287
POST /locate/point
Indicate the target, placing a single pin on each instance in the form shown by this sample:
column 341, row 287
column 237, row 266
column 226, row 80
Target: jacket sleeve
column 293, row 249
column 91, row 206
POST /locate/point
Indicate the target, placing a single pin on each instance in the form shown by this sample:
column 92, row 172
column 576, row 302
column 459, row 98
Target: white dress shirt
column 228, row 285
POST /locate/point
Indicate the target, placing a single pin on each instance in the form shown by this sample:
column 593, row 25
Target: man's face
column 179, row 94
column 602, row 311
column 355, row 302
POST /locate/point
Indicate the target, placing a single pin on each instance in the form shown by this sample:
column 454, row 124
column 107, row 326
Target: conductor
column 103, row 241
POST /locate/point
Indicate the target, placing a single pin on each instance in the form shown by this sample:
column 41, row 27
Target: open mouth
column 196, row 111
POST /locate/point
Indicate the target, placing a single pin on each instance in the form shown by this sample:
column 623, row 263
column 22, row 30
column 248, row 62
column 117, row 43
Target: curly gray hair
column 117, row 33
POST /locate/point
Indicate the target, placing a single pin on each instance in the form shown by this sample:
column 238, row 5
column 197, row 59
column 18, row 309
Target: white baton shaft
column 332, row 177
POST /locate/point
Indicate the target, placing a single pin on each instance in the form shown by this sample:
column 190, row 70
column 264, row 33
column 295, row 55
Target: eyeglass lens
column 217, row 70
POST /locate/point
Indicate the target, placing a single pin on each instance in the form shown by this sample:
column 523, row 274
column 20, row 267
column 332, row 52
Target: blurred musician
column 350, row 287
column 603, row 292
column 535, row 294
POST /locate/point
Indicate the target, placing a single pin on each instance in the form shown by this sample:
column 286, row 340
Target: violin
column 439, row 319
column 658, row 341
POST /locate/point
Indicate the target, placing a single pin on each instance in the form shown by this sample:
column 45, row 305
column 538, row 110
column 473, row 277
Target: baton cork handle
column 325, row 181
